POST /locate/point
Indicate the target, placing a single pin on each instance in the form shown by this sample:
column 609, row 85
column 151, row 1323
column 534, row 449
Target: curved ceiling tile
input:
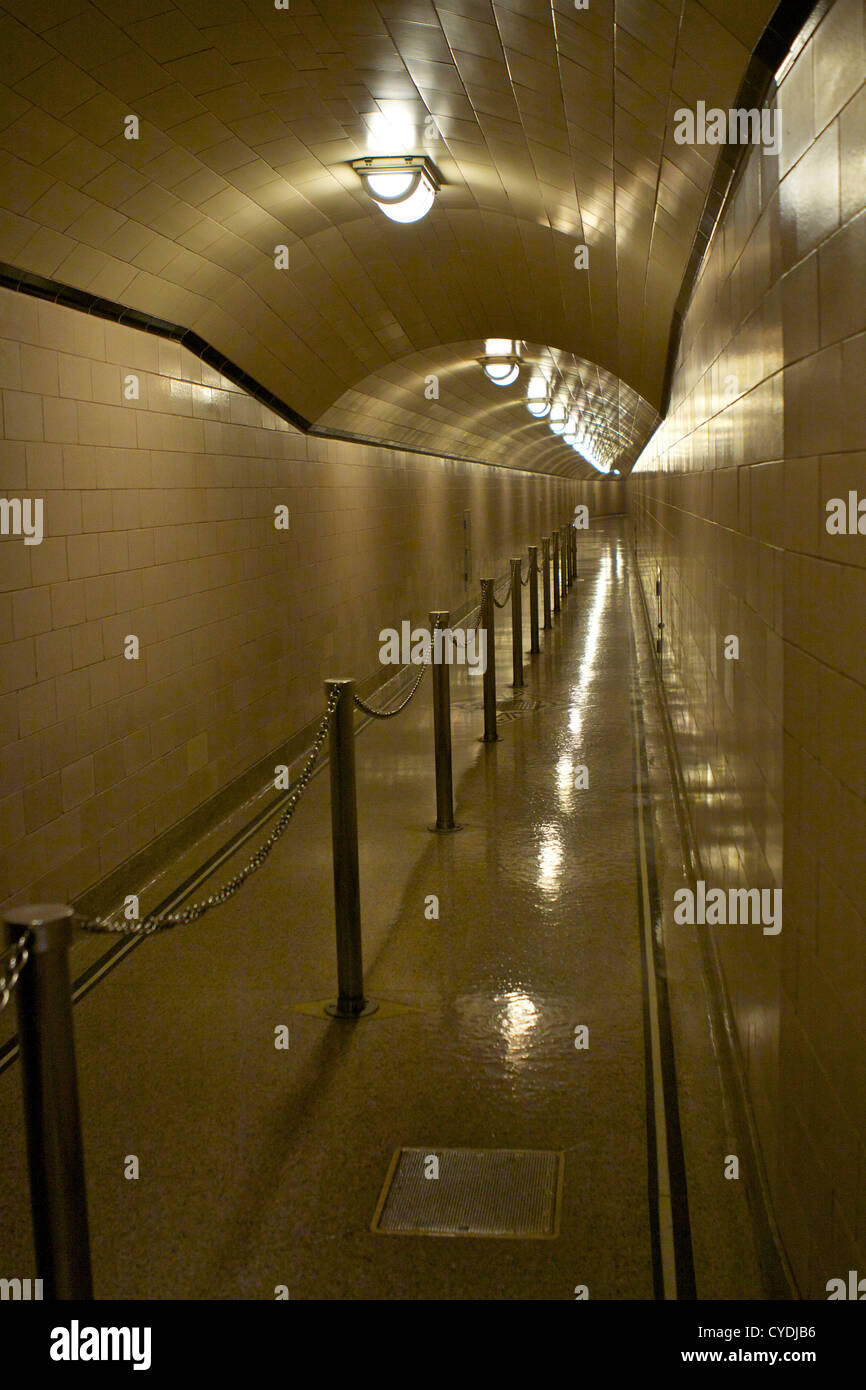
column 552, row 129
column 440, row 401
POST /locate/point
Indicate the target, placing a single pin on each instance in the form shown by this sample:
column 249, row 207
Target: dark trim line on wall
column 349, row 437
column 792, row 20
column 26, row 282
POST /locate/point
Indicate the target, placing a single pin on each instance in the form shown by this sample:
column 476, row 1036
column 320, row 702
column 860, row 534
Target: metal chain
column 479, row 611
column 389, row 713
column 525, row 581
column 161, row 921
column 506, row 596
column 19, row 955
column 386, row 714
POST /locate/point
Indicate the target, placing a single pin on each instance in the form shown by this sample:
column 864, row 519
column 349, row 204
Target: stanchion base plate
column 334, row 1011
column 444, row 829
column 497, row 738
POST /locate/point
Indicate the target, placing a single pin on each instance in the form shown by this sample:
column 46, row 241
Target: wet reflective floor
column 533, row 1015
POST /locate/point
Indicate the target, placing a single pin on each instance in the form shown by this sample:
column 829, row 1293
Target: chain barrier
column 398, row 709
column 389, row 713
column 60, row 1225
column 479, row 609
column 525, row 581
column 17, row 957
column 475, row 626
column 161, row 921
column 505, row 596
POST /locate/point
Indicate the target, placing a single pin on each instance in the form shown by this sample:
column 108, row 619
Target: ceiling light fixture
column 538, row 397
column 558, row 417
column 501, row 360
column 569, row 434
column 502, row 373
column 403, row 186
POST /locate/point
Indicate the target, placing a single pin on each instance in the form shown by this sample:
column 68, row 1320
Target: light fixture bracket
column 419, row 165
column 511, row 360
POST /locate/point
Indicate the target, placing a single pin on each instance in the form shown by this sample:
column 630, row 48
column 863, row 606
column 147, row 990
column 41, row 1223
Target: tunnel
column 433, row 706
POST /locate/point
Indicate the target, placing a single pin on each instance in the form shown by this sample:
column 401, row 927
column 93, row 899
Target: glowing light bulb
column 502, row 373
column 558, row 417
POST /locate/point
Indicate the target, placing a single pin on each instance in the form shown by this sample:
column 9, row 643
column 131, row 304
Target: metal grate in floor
column 512, row 1193
column 507, row 709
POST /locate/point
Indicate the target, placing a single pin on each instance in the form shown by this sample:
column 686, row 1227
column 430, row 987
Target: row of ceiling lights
column 404, row 187
column 548, row 399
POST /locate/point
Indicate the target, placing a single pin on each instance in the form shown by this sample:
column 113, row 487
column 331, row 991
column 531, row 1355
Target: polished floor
column 262, row 1167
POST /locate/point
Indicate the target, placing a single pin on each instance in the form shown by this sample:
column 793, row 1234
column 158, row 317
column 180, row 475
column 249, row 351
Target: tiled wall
column 768, row 422
column 159, row 523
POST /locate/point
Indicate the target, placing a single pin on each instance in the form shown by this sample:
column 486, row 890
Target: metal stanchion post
column 54, row 1150
column 516, row 624
column 564, row 577
column 562, row 585
column 545, row 574
column 534, row 644
column 442, row 729
column 350, row 1001
column 487, row 611
column 555, row 568
column 574, row 551
column 566, row 540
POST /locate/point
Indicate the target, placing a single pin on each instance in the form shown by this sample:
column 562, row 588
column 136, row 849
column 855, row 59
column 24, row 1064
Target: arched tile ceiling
column 440, row 401
column 552, row 127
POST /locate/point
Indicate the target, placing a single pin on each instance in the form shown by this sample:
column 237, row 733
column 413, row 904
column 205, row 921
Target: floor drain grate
column 507, row 709
column 471, row 1192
